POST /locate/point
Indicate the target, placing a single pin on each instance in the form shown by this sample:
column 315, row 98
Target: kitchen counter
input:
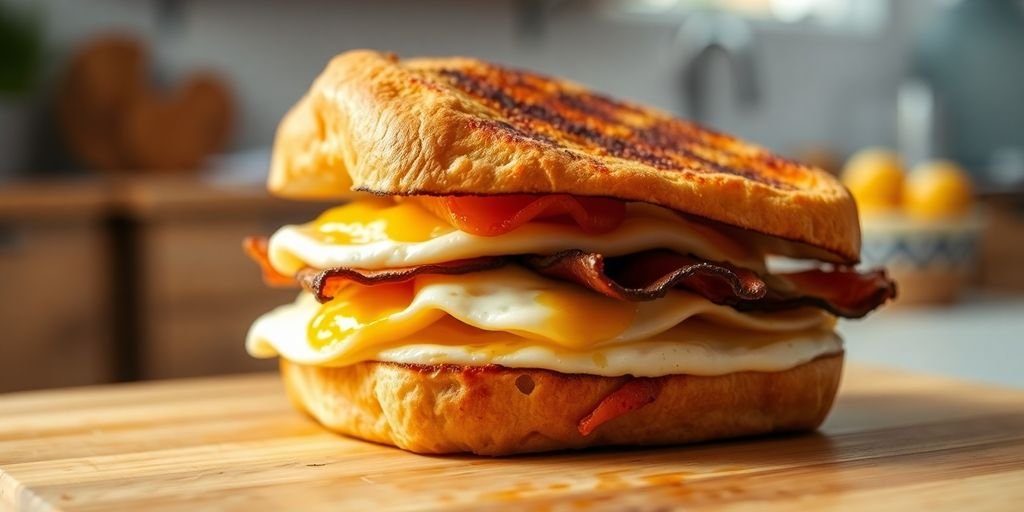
column 895, row 440
column 981, row 338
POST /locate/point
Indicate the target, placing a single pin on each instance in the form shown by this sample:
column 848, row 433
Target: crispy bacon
column 497, row 215
column 325, row 284
column 641, row 276
column 842, row 291
column 649, row 275
column 634, row 394
column 256, row 248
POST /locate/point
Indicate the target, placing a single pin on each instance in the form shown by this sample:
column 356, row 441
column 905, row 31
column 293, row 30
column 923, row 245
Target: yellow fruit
column 875, row 178
column 938, row 190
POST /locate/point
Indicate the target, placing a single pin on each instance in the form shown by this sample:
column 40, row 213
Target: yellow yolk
column 511, row 300
column 581, row 317
column 357, row 307
column 375, row 220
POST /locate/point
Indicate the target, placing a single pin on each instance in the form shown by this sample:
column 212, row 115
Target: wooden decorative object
column 177, row 130
column 113, row 119
column 105, row 76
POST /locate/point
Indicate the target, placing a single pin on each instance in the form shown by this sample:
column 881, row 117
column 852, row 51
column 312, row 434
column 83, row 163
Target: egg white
column 494, row 318
column 676, row 351
column 645, row 227
column 497, row 317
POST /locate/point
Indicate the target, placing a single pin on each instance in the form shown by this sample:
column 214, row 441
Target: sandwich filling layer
column 702, row 344
column 380, row 234
column 515, row 315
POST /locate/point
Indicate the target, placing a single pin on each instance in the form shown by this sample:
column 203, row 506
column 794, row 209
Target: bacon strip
column 634, row 394
column 496, row 215
column 325, row 284
column 642, row 276
column 256, row 248
column 843, row 292
column 650, row 275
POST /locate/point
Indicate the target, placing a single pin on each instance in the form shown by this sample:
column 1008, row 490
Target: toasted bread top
column 374, row 123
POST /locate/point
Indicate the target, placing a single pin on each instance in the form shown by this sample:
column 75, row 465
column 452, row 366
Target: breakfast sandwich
column 518, row 264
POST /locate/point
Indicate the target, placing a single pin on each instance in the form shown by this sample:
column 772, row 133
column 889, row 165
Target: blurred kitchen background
column 134, row 139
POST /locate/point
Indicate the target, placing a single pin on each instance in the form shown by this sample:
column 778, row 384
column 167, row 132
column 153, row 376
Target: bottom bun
column 495, row 410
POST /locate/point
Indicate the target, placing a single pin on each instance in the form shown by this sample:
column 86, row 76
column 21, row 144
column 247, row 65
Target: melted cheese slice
column 515, row 318
column 382, row 233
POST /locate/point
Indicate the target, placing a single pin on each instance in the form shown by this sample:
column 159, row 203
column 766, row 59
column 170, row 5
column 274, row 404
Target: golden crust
column 461, row 126
column 494, row 411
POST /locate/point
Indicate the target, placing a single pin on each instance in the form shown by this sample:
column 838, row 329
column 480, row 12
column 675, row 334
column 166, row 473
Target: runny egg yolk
column 507, row 300
column 375, row 220
column 356, row 307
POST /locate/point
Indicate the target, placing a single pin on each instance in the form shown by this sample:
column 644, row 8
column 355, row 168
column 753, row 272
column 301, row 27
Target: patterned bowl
column 932, row 262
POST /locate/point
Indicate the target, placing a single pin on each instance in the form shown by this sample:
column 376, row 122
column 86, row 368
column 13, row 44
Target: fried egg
column 383, row 233
column 516, row 318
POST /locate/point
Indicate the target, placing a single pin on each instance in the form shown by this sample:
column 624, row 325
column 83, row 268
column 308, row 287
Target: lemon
column 938, row 190
column 875, row 178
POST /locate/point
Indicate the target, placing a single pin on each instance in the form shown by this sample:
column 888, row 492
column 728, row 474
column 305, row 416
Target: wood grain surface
column 895, row 441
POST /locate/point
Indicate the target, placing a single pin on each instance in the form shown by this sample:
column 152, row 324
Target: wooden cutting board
column 895, row 441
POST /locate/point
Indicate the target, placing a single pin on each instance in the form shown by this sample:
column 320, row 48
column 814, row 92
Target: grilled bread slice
column 494, row 410
column 374, row 123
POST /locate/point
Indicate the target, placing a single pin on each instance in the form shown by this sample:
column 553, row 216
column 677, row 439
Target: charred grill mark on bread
column 564, row 118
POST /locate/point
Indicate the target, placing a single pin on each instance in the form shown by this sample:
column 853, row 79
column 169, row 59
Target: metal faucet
column 702, row 36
